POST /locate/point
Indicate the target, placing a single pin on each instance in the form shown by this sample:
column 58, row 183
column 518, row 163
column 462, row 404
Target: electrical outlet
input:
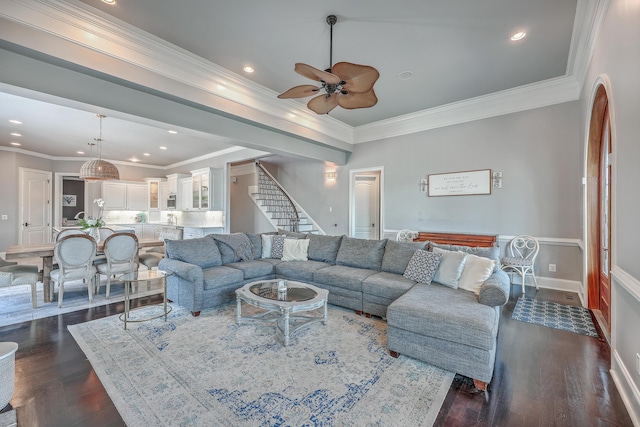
column 552, row 268
column 5, row 217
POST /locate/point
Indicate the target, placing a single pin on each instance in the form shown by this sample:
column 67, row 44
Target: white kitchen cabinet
column 122, row 196
column 164, row 193
column 155, row 194
column 207, row 189
column 184, row 194
column 148, row 231
column 196, row 232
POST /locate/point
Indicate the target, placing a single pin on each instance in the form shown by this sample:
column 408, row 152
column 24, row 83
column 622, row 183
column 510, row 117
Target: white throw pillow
column 267, row 242
column 295, row 250
column 476, row 271
column 450, row 268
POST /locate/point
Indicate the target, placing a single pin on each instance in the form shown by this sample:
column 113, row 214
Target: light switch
column 5, row 217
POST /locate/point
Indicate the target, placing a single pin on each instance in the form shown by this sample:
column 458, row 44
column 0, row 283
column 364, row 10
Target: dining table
column 45, row 251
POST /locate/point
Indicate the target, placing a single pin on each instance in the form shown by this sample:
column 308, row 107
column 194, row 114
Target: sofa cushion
column 341, row 276
column 491, row 253
column 295, row 234
column 323, row 248
column 422, row 266
column 361, row 253
column 253, row 269
column 234, row 247
column 218, row 277
column 267, row 244
column 397, row 255
column 299, row 270
column 295, row 250
column 387, row 285
column 202, row 252
column 450, row 268
column 256, row 242
column 476, row 270
column 447, row 314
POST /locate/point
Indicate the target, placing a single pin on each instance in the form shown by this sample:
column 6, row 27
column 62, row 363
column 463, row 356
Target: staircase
column 278, row 207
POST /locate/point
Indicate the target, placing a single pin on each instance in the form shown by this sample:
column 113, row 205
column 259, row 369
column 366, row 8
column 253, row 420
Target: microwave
column 171, row 201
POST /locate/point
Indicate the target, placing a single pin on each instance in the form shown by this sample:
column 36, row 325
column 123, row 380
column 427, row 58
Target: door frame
column 601, row 97
column 352, row 179
column 21, row 171
column 57, row 194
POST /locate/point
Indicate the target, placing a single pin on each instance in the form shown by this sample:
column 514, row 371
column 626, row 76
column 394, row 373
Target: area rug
column 569, row 318
column 8, row 419
column 208, row 371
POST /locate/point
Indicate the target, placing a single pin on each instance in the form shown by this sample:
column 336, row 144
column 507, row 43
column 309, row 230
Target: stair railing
column 285, row 208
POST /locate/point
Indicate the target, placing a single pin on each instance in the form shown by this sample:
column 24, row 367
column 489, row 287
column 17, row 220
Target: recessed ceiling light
column 518, row 36
column 405, row 75
column 15, row 122
column 15, row 134
column 146, row 154
column 173, row 132
column 17, row 144
column 248, row 69
column 80, row 152
column 133, row 159
column 162, row 147
column 109, row 1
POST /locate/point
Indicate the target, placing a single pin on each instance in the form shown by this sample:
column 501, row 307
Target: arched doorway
column 598, row 209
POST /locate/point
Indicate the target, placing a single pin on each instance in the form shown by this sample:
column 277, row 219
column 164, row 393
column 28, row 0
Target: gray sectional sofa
column 450, row 328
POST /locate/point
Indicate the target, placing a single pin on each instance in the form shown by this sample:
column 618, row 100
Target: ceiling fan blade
column 358, row 78
column 300, row 91
column 323, row 104
column 315, row 74
column 354, row 100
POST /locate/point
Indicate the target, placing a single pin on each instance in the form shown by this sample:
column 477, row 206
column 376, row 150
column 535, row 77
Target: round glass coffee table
column 281, row 303
column 144, row 283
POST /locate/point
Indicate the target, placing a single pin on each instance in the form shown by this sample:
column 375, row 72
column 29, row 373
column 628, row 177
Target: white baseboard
column 626, row 387
column 549, row 283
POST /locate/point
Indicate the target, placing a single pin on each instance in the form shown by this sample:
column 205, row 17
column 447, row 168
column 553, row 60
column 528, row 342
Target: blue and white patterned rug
column 569, row 318
column 208, row 371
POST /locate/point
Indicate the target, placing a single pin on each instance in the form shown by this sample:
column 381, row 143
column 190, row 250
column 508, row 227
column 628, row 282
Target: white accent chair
column 121, row 251
column 521, row 258
column 152, row 256
column 406, row 235
column 74, row 254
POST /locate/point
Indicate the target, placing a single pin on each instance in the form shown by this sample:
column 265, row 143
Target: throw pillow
column 422, row 266
column 267, row 244
column 295, row 250
column 476, row 271
column 450, row 268
column 277, row 246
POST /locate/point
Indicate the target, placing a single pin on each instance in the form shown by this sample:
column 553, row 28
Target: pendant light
column 98, row 169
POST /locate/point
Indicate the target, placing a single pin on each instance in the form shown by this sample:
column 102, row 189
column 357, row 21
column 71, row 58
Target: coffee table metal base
column 282, row 313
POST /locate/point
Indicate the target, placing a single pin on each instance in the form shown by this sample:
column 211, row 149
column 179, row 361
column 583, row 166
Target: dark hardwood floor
column 543, row 377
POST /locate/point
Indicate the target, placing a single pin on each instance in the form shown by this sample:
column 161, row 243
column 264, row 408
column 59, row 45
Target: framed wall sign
column 69, row 199
column 463, row 183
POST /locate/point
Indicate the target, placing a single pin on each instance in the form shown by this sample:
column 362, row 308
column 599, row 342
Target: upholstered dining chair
column 69, row 232
column 121, row 250
column 75, row 254
column 521, row 258
column 105, row 232
column 13, row 274
column 152, row 256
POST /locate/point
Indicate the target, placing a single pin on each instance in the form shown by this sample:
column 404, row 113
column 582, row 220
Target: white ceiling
column 456, row 50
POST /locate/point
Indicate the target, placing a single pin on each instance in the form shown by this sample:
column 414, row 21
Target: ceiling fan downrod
column 331, row 20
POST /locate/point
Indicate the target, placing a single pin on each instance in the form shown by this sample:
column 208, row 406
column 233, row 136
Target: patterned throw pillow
column 422, row 266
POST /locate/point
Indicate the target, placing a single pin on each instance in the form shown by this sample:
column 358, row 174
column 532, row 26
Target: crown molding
column 80, row 24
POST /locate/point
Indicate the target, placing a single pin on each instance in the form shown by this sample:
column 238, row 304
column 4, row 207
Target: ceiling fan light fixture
column 98, row 169
column 353, row 82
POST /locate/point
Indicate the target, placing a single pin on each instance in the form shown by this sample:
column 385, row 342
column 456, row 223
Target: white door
column 366, row 206
column 35, row 207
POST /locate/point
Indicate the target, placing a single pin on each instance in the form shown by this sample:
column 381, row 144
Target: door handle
column 373, row 225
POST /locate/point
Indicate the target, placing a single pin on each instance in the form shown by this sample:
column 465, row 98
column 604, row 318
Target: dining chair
column 75, row 254
column 69, row 232
column 521, row 258
column 152, row 256
column 12, row 274
column 121, row 250
column 105, row 232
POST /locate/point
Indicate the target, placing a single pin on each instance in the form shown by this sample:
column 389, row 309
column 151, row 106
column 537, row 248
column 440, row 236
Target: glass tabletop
column 139, row 276
column 269, row 290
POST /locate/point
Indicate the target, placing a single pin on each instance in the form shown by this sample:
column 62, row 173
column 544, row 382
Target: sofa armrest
column 184, row 270
column 495, row 290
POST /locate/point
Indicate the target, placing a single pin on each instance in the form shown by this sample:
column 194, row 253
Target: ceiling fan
column 345, row 84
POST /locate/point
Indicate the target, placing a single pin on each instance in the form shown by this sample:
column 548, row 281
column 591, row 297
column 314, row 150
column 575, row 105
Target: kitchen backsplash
column 182, row 218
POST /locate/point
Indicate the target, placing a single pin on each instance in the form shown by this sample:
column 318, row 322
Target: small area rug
column 571, row 318
column 208, row 371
